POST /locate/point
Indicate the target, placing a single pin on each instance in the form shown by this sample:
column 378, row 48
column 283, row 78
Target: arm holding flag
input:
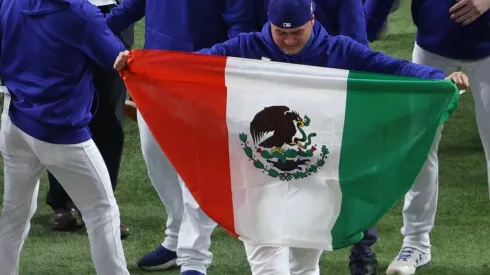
column 125, row 14
column 366, row 60
column 239, row 15
column 230, row 47
column 99, row 43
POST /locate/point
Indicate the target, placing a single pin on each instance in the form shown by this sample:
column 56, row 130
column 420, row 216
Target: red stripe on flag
column 182, row 97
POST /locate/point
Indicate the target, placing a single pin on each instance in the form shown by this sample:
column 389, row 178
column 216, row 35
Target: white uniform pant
column 189, row 229
column 420, row 206
column 268, row 260
column 82, row 173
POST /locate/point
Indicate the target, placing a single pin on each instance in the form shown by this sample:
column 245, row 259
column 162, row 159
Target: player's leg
column 82, row 172
column 304, row 261
column 420, row 205
column 377, row 13
column 267, row 260
column 130, row 109
column 65, row 216
column 21, row 185
column 362, row 260
column 479, row 76
column 165, row 181
column 194, row 236
column 106, row 125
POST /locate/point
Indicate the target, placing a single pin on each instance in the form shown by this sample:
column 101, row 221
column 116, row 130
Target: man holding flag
column 106, row 128
column 342, row 17
column 293, row 36
column 184, row 25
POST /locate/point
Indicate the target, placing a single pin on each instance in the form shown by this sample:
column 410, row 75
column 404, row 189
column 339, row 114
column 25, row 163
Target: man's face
column 292, row 41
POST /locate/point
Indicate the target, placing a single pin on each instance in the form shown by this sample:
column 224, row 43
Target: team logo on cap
column 286, row 25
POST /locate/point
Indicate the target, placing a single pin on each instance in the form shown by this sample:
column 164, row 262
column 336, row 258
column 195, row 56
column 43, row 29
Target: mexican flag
column 284, row 154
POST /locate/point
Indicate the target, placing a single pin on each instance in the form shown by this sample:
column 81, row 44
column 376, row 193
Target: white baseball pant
column 82, row 173
column 189, row 229
column 420, row 205
column 269, row 260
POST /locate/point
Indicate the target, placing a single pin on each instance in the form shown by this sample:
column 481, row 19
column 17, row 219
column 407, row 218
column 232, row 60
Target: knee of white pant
column 148, row 142
column 19, row 213
column 303, row 261
column 267, row 260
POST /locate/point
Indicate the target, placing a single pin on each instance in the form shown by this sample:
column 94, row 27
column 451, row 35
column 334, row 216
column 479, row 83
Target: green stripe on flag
column 390, row 124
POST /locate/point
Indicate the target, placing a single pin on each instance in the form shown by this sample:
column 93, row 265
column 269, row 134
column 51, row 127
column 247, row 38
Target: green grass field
column 460, row 238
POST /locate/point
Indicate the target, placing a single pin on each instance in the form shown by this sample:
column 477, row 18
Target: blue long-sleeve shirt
column 439, row 34
column 436, row 31
column 46, row 65
column 185, row 25
column 325, row 50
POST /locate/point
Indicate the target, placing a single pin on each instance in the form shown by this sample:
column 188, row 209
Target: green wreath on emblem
column 303, row 152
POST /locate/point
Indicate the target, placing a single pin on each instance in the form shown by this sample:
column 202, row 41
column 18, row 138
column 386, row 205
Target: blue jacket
column 439, row 34
column 47, row 48
column 340, row 52
column 185, row 25
column 345, row 17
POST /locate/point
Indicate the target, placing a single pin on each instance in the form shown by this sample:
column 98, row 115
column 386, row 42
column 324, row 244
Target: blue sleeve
column 1, row 35
column 230, row 47
column 377, row 12
column 125, row 14
column 239, row 16
column 363, row 59
column 352, row 20
column 99, row 43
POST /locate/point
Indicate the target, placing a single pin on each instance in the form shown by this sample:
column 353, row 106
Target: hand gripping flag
column 284, row 154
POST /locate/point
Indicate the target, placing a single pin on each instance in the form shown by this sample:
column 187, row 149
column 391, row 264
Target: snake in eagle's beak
column 301, row 123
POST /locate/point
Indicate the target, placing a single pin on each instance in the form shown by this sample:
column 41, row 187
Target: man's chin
column 291, row 51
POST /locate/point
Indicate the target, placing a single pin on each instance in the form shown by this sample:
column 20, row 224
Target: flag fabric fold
column 284, row 154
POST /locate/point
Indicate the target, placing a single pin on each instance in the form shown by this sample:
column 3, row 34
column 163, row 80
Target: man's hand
column 460, row 79
column 121, row 61
column 467, row 11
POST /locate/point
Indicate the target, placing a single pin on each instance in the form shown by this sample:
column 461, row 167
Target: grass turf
column 459, row 238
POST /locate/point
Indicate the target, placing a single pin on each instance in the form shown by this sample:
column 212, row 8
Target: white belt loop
column 6, row 99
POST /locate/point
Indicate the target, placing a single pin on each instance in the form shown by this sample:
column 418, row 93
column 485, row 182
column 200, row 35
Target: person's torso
column 48, row 77
column 184, row 25
column 439, row 34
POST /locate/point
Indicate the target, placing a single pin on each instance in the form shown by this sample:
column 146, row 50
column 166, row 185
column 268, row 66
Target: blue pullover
column 436, row 31
column 185, row 25
column 344, row 17
column 324, row 50
column 440, row 34
column 47, row 48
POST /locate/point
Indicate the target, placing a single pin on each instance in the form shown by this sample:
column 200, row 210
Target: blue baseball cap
column 290, row 13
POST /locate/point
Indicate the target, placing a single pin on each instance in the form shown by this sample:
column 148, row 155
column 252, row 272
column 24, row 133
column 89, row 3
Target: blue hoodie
column 340, row 52
column 185, row 25
column 436, row 31
column 344, row 17
column 47, row 48
column 441, row 35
